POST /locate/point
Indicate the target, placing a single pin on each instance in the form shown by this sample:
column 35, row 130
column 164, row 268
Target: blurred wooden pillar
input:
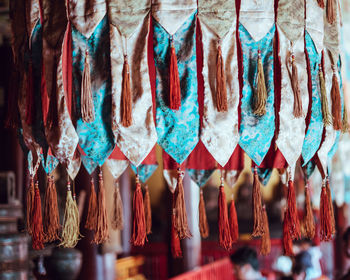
column 192, row 246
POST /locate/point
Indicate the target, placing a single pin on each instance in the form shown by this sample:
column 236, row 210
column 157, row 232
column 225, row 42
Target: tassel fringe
column 91, row 220
column 126, row 99
column 101, row 234
column 148, row 211
column 330, row 12
column 324, row 100
column 325, row 216
column 233, row 222
column 30, row 206
column 139, row 223
column 70, row 230
column 181, row 224
column 294, row 226
column 203, row 222
column 224, row 227
column 37, row 222
column 87, row 103
column 321, row 3
column 265, row 247
column 118, row 212
column 345, row 121
column 309, row 223
column 298, row 107
column 336, row 102
column 51, row 214
column 331, row 209
column 258, row 229
column 221, row 93
column 260, row 96
column 175, row 240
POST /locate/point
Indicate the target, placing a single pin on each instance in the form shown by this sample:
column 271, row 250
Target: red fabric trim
column 169, row 163
column 200, row 158
column 236, row 161
column 116, row 154
column 151, row 66
column 151, row 158
column 200, row 80
column 309, row 87
column 239, row 61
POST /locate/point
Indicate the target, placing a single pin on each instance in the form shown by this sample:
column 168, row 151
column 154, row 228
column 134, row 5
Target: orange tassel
column 118, row 219
column 233, row 222
column 30, row 205
column 139, row 223
column 174, row 81
column 292, row 212
column 91, row 220
column 181, row 224
column 287, row 239
column 224, row 227
column 126, row 99
column 324, row 100
column 330, row 203
column 175, row 240
column 320, row 3
column 336, row 102
column 309, row 223
column 265, row 247
column 148, row 211
column 298, row 107
column 87, row 103
column 258, row 229
column 37, row 222
column 325, row 216
column 330, row 12
column 51, row 214
column 101, row 234
column 221, row 93
column 203, row 222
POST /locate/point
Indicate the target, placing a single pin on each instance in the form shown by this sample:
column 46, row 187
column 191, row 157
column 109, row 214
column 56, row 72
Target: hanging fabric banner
column 174, row 40
column 294, row 93
column 90, row 58
column 219, row 132
column 59, row 129
column 132, row 114
column 313, row 48
column 257, row 102
column 331, row 43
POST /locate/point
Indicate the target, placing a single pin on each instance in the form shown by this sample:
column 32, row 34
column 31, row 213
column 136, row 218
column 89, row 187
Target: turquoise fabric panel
column 49, row 164
column 178, row 131
column 145, row 171
column 96, row 139
column 264, row 174
column 256, row 133
column 313, row 135
column 200, row 177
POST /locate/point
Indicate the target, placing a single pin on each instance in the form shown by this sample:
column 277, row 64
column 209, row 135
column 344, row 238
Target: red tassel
column 331, row 210
column 265, row 247
column 221, row 93
column 126, row 99
column 139, row 223
column 37, row 222
column 203, row 222
column 30, row 96
column 174, row 81
column 309, row 223
column 292, row 212
column 224, row 227
column 325, row 216
column 91, row 220
column 175, row 240
column 336, row 102
column 233, row 222
column 181, row 224
column 298, row 107
column 287, row 239
column 51, row 215
column 257, row 207
column 30, row 205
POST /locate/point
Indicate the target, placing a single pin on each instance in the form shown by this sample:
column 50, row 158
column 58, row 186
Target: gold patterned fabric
column 290, row 28
column 219, row 132
column 129, row 29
